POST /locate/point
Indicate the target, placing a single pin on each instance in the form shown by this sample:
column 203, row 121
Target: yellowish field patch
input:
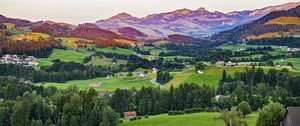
column 30, row 36
column 9, row 25
column 285, row 21
column 267, row 35
column 128, row 42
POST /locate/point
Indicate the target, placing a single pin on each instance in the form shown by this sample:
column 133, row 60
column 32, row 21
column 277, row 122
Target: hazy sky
column 79, row 11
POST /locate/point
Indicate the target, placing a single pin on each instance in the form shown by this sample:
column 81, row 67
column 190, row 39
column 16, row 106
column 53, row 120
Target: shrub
column 120, row 121
column 216, row 109
column 207, row 109
column 132, row 119
column 139, row 117
column 146, row 116
column 245, row 108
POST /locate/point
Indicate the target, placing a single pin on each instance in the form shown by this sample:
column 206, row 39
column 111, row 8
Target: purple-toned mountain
column 285, row 23
column 195, row 23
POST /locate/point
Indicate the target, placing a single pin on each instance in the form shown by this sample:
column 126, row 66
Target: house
column 103, row 93
column 218, row 97
column 26, row 29
column 109, row 76
column 230, row 63
column 28, row 82
column 291, row 117
column 95, row 84
column 139, row 74
column 200, row 72
column 129, row 115
column 153, row 70
column 220, row 63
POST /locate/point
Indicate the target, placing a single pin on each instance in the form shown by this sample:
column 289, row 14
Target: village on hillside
column 26, row 61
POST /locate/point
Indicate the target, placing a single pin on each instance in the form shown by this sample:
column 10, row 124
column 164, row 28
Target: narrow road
column 153, row 81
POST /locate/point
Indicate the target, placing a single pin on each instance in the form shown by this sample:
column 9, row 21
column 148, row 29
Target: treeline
column 265, row 57
column 258, row 87
column 135, row 61
column 151, row 101
column 26, row 105
column 279, row 41
column 58, row 72
column 200, row 54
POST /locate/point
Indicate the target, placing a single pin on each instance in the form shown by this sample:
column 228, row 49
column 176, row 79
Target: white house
column 220, row 63
column 200, row 72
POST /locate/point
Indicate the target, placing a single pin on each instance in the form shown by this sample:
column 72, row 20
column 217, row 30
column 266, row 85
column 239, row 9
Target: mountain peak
column 121, row 16
column 201, row 9
column 183, row 11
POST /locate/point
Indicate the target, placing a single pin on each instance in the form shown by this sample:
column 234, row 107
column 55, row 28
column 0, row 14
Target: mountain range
column 282, row 23
column 176, row 24
column 197, row 23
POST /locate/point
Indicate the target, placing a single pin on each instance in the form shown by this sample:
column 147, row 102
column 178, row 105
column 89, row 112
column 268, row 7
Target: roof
column 103, row 91
column 132, row 113
column 294, row 113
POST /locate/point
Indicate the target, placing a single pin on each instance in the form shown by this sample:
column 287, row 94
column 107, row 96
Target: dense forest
column 72, row 106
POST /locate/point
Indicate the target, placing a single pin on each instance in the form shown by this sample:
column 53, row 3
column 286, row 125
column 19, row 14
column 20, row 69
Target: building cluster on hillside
column 14, row 59
column 229, row 63
column 293, row 49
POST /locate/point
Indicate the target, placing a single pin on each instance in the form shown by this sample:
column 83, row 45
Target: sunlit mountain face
column 197, row 23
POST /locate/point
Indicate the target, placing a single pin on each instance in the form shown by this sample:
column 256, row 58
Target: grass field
column 197, row 119
column 154, row 50
column 64, row 55
column 116, row 50
column 108, row 83
column 295, row 62
column 106, row 61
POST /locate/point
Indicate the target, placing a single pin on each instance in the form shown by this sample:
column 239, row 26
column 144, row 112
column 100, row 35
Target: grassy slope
column 197, row 119
column 108, row 84
column 117, row 50
column 211, row 76
column 64, row 55
column 106, row 61
column 295, row 62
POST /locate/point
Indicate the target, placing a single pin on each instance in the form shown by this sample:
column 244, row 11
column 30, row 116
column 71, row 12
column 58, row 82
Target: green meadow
column 64, row 55
column 295, row 62
column 106, row 61
column 107, row 83
column 116, row 50
column 196, row 119
column 211, row 76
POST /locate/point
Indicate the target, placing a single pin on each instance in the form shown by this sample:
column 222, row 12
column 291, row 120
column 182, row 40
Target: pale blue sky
column 79, row 11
